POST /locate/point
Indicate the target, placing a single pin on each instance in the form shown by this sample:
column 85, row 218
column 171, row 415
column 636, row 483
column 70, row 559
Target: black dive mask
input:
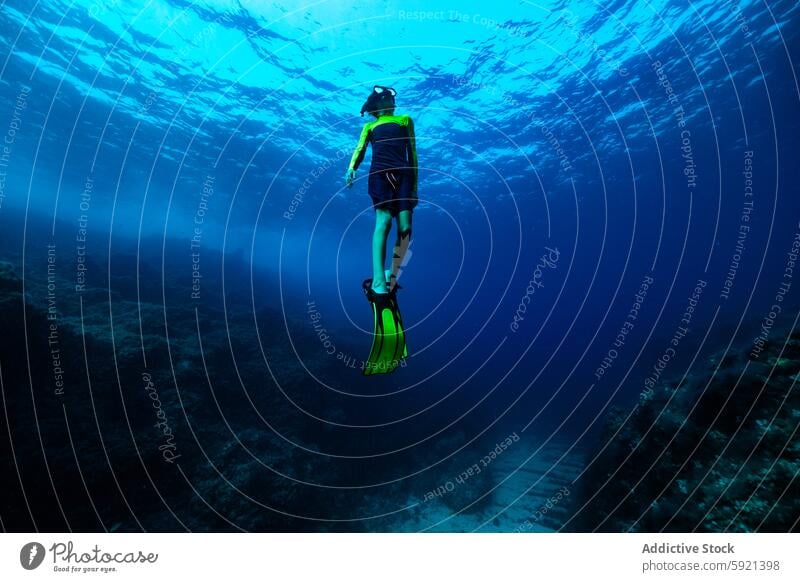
column 380, row 98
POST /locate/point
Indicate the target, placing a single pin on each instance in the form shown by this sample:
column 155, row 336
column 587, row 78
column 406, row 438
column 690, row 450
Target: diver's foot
column 380, row 287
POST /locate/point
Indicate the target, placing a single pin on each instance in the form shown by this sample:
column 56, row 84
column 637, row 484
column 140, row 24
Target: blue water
column 569, row 153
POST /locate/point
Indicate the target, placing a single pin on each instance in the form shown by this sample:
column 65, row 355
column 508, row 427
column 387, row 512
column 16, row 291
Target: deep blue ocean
column 600, row 296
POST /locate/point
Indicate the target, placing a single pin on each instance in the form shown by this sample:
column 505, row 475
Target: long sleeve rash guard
column 393, row 145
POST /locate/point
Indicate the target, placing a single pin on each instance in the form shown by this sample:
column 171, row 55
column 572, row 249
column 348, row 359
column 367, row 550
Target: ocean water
column 600, row 297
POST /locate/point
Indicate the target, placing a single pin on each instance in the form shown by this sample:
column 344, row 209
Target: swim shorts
column 393, row 190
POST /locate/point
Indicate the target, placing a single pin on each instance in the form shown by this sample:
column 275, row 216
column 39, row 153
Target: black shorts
column 392, row 190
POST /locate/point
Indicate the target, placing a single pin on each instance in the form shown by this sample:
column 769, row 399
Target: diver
column 392, row 186
column 392, row 182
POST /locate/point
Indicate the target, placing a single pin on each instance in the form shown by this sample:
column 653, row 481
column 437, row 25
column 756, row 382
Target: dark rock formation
column 720, row 452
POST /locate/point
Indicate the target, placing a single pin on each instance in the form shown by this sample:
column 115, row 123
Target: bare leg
column 401, row 244
column 383, row 223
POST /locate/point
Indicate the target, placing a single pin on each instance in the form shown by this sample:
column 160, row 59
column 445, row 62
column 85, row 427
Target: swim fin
column 389, row 340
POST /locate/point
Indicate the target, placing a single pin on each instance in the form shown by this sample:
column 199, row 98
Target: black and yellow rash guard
column 393, row 145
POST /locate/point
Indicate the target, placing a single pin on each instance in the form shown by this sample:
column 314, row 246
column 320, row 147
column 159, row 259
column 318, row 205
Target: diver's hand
column 349, row 176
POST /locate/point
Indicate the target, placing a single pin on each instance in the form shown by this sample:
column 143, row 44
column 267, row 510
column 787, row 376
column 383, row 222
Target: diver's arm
column 412, row 150
column 358, row 156
column 361, row 148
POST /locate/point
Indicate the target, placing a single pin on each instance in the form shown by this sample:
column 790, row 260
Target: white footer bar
column 400, row 557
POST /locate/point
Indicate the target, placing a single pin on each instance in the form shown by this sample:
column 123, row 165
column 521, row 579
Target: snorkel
column 380, row 99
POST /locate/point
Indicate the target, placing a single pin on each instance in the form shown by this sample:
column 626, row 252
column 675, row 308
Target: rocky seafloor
column 715, row 451
column 130, row 410
column 127, row 410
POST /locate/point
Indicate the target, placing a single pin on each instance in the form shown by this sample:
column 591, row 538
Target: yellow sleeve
column 412, row 150
column 361, row 148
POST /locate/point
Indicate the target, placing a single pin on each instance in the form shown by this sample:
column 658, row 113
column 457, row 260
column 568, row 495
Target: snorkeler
column 392, row 185
column 392, row 181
